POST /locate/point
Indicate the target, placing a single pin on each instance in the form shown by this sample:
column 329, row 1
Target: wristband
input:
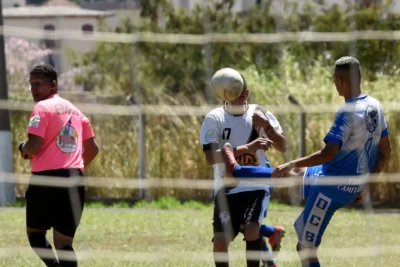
column 20, row 146
column 20, row 149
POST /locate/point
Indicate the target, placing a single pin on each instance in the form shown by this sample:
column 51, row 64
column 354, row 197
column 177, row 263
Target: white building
column 56, row 15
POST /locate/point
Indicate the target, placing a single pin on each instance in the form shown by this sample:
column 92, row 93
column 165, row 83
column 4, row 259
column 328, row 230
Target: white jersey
column 220, row 127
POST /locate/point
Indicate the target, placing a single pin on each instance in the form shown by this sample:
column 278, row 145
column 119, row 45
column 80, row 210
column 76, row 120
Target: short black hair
column 350, row 64
column 244, row 83
column 46, row 70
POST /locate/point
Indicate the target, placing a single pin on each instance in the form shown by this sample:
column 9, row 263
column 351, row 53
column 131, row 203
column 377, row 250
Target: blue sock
column 314, row 264
column 252, row 172
column 266, row 256
column 267, row 230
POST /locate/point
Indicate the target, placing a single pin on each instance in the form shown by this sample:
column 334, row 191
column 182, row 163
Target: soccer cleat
column 229, row 159
column 276, row 238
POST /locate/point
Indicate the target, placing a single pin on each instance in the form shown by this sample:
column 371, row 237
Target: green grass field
column 182, row 237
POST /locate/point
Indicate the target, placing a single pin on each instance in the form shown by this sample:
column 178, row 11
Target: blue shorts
column 344, row 192
column 309, row 178
column 312, row 222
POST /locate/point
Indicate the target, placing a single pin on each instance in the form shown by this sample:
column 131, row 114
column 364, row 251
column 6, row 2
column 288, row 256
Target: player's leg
column 66, row 222
column 311, row 225
column 254, row 204
column 275, row 235
column 235, row 170
column 225, row 227
column 65, row 251
column 38, row 220
column 267, row 258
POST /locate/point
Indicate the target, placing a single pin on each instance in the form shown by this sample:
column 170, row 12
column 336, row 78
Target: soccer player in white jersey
column 241, row 208
column 357, row 144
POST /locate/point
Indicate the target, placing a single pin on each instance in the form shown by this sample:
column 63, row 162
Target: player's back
column 358, row 128
column 60, row 124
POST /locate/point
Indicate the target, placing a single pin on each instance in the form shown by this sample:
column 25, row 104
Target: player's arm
column 385, row 148
column 89, row 144
column 32, row 146
column 334, row 141
column 272, row 128
column 38, row 122
column 91, row 149
column 384, row 151
column 214, row 155
column 322, row 156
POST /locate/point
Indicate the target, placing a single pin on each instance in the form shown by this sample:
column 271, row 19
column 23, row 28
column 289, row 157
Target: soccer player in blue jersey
column 357, row 144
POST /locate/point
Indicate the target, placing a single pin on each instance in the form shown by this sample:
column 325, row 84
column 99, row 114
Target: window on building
column 87, row 28
column 49, row 43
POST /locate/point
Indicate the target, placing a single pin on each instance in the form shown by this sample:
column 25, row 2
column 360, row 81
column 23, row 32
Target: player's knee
column 61, row 240
column 298, row 247
column 307, row 254
column 37, row 239
column 252, row 231
column 221, row 243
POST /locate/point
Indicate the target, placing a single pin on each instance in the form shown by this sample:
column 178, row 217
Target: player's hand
column 260, row 143
column 259, row 119
column 364, row 194
column 23, row 155
column 358, row 200
column 283, row 170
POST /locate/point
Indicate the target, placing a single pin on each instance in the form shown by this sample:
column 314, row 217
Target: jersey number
column 226, row 134
column 364, row 159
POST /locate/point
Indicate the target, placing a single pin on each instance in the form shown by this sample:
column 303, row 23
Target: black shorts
column 57, row 207
column 241, row 208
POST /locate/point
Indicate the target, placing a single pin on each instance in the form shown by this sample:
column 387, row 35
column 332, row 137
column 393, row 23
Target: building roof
column 52, row 11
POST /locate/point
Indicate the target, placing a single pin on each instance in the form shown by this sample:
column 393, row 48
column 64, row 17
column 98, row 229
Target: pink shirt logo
column 67, row 139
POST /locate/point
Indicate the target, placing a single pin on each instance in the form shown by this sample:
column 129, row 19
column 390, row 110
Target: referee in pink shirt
column 60, row 143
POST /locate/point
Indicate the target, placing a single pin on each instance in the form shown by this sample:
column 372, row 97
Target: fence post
column 142, row 155
column 142, row 148
column 302, row 125
column 138, row 99
column 302, row 135
column 7, row 190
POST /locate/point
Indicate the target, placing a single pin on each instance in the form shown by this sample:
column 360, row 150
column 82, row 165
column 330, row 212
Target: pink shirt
column 63, row 128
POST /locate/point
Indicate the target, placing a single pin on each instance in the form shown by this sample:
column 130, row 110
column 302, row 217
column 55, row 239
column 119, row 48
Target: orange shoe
column 276, row 239
column 229, row 159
